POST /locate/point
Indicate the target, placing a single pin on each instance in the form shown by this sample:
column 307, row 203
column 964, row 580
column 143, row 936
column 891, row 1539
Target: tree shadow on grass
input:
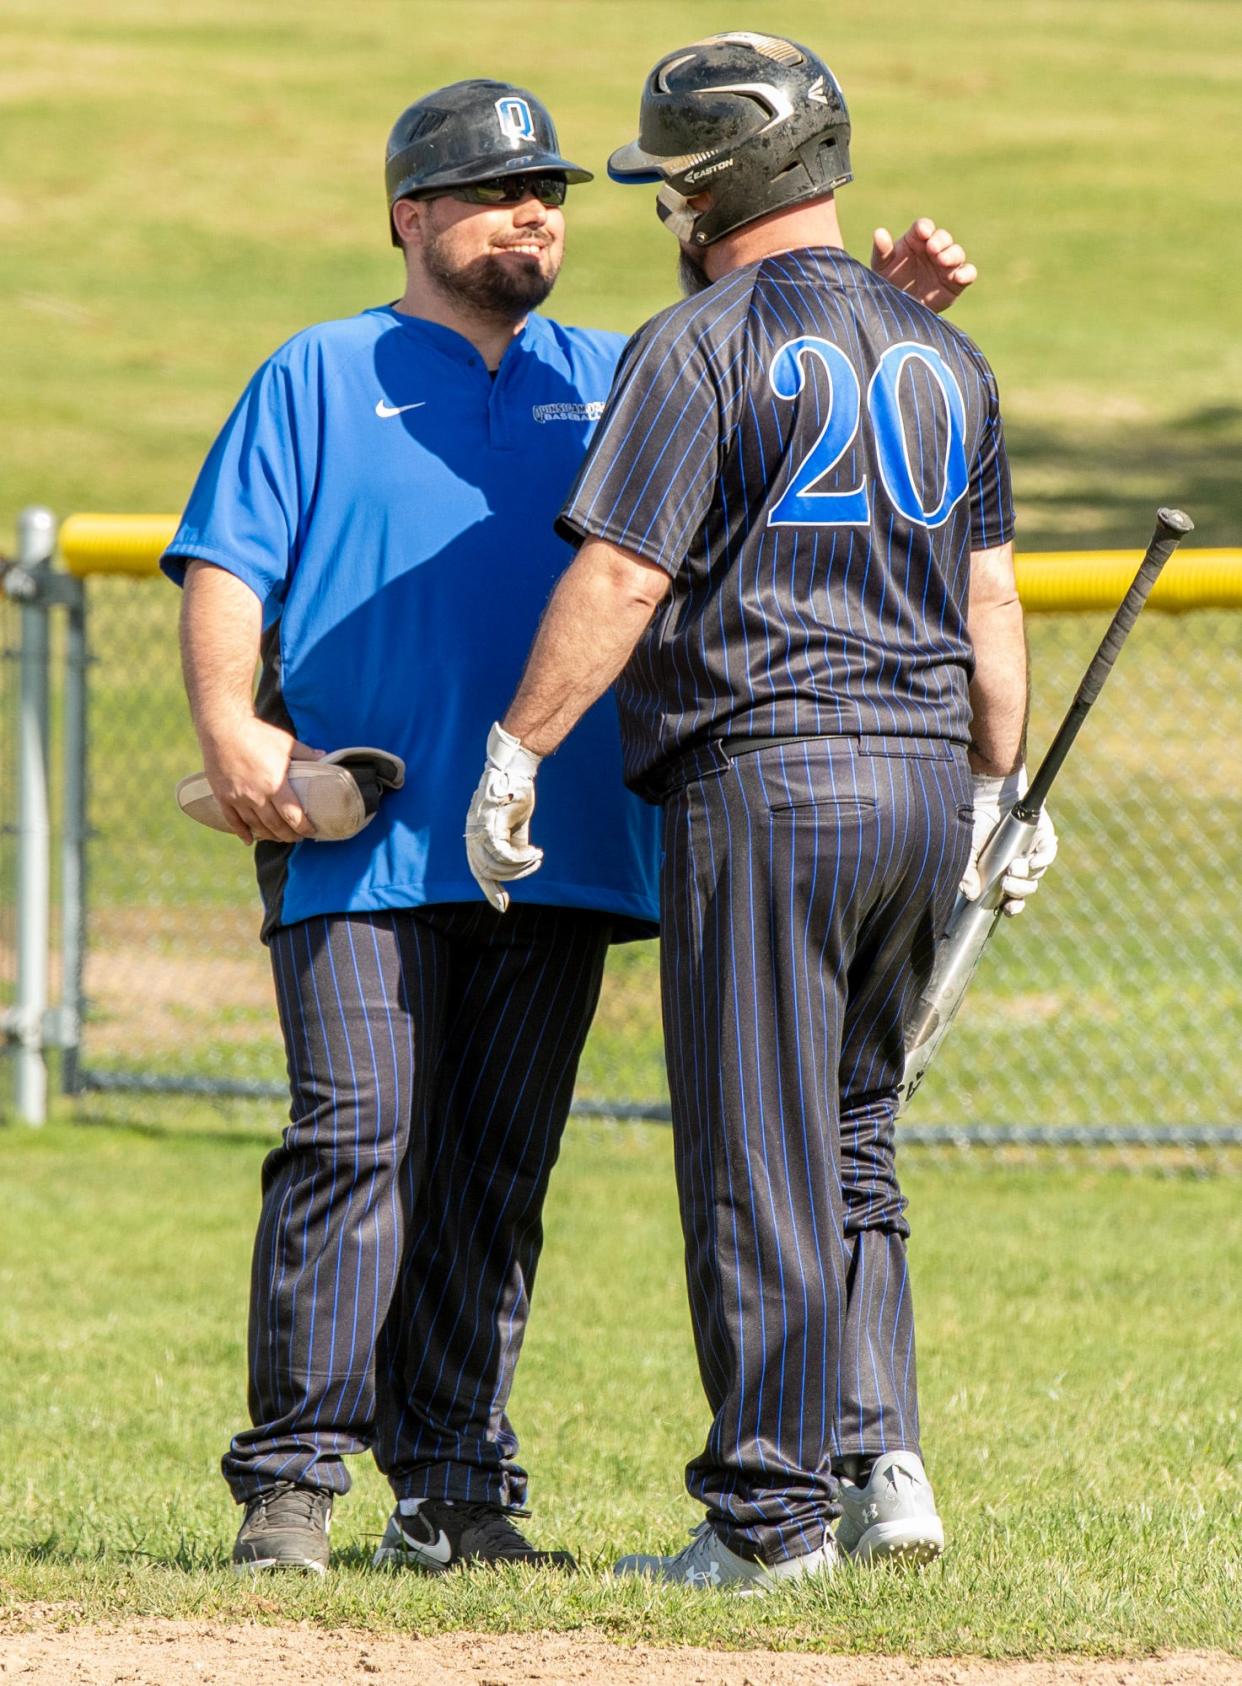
column 1095, row 485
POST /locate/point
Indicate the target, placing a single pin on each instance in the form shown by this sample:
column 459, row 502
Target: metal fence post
column 36, row 544
column 73, row 822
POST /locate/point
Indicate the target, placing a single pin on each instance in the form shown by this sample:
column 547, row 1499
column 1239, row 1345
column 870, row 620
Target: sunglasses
column 511, row 190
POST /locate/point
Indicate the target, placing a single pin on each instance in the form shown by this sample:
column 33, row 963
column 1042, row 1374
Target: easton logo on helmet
column 709, row 170
column 515, row 118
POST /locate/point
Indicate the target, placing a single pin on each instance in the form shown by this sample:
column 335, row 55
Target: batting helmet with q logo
column 758, row 121
column 471, row 132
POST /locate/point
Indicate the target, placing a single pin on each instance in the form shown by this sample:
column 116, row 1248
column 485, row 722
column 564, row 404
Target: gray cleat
column 893, row 1515
column 286, row 1527
column 708, row 1565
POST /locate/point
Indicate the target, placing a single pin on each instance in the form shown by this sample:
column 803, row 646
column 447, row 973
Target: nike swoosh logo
column 385, row 410
column 439, row 1550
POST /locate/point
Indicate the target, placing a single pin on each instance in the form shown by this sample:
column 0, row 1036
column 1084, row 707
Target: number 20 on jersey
column 800, row 505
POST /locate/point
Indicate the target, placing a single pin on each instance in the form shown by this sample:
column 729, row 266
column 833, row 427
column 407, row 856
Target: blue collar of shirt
column 456, row 346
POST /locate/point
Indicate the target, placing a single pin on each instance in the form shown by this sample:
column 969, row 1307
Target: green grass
column 1080, row 1348
column 186, row 186
column 183, row 187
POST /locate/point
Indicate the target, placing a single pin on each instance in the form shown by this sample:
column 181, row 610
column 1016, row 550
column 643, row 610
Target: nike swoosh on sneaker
column 385, row 410
column 439, row 1550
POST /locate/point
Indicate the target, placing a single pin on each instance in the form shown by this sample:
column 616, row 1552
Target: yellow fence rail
column 1051, row 583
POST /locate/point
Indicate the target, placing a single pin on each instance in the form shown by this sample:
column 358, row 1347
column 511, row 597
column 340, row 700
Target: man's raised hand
column 926, row 262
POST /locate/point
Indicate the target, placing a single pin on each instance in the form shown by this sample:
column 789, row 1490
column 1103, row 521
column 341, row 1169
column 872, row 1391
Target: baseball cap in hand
column 340, row 793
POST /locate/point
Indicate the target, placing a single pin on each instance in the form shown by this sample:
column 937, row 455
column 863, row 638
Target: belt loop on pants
column 666, row 780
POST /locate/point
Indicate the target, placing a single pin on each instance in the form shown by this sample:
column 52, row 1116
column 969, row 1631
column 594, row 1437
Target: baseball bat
column 972, row 923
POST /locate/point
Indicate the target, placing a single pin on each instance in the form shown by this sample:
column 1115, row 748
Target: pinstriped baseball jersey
column 812, row 456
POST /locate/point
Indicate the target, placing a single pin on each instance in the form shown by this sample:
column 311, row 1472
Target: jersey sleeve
column 991, row 498
column 649, row 475
column 244, row 512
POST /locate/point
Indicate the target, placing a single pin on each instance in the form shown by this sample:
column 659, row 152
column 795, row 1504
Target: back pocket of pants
column 828, row 810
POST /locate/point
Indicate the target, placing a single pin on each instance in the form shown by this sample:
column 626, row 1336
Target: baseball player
column 375, row 521
column 375, row 518
column 795, row 527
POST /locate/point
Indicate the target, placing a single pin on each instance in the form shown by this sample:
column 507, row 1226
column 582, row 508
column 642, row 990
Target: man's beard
column 693, row 277
column 490, row 286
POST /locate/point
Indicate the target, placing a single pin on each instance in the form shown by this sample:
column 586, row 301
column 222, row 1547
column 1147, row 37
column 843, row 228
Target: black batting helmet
column 469, row 132
column 758, row 120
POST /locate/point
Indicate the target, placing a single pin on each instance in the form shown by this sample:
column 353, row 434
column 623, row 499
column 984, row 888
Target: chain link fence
column 1110, row 1010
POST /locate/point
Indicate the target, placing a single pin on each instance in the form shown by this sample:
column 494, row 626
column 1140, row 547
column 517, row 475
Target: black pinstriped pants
column 801, row 888
column 432, row 1054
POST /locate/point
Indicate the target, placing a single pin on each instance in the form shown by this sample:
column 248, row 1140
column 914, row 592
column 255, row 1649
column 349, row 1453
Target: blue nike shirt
column 391, row 504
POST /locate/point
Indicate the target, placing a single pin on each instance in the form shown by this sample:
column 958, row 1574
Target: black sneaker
column 286, row 1527
column 440, row 1534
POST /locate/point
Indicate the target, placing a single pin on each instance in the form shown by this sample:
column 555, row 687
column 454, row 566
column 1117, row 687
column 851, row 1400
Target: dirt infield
column 180, row 1653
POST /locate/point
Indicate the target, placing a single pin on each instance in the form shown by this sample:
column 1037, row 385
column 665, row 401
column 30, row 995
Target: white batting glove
column 993, row 798
column 498, row 844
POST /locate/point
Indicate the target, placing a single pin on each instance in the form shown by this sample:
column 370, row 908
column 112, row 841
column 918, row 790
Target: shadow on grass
column 64, row 1552
column 1096, row 484
column 181, row 1123
column 189, row 1557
